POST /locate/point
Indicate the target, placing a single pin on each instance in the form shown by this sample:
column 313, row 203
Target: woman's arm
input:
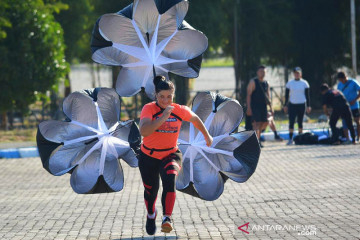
column 147, row 126
column 200, row 125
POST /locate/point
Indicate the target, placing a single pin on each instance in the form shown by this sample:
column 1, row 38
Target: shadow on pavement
column 152, row 237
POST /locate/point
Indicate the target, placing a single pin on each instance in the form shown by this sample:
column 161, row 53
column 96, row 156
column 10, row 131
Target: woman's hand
column 168, row 111
column 148, row 127
column 209, row 140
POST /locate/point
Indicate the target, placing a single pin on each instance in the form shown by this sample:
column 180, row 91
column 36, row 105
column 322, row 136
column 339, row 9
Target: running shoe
column 151, row 224
column 278, row 138
column 166, row 225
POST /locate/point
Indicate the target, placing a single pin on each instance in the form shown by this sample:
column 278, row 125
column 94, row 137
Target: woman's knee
column 168, row 177
column 170, row 184
column 151, row 189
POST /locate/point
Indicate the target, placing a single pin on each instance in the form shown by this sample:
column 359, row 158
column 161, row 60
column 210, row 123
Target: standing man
column 297, row 99
column 257, row 99
column 340, row 108
column 351, row 90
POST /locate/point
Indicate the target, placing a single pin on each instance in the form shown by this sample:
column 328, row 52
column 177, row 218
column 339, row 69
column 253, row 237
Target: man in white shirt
column 297, row 100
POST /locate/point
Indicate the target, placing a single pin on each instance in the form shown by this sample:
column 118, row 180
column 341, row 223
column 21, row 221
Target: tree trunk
column 115, row 72
column 144, row 98
column 4, row 121
column 67, row 85
column 182, row 89
column 248, row 64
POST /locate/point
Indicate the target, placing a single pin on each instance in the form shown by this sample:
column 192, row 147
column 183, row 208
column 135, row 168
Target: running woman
column 160, row 123
column 297, row 99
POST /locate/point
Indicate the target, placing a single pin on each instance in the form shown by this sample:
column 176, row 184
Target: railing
column 130, row 108
column 231, row 93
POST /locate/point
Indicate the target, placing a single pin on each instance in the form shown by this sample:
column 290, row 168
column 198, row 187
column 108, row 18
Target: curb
column 19, row 152
column 27, row 152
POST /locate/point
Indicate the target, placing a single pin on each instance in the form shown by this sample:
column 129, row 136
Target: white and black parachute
column 148, row 38
column 90, row 142
column 232, row 155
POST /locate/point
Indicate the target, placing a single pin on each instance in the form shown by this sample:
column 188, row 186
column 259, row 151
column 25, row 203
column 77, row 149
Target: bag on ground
column 306, row 139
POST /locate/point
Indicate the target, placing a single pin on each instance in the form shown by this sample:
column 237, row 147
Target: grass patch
column 218, row 62
column 18, row 135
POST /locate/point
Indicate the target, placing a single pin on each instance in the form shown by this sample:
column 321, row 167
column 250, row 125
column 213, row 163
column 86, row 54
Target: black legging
column 167, row 168
column 296, row 110
column 345, row 114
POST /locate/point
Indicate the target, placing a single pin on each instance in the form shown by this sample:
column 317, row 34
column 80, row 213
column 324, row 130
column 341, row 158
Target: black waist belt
column 152, row 150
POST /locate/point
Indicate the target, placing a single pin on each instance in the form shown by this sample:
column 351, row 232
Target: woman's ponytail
column 161, row 83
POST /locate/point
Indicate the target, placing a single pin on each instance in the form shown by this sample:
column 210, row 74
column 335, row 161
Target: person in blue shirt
column 340, row 109
column 351, row 90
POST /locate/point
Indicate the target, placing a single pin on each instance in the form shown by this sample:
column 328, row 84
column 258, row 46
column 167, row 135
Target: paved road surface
column 295, row 187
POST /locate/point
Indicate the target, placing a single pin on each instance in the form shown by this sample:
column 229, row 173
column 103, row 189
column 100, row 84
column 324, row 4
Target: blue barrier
column 269, row 136
column 19, row 152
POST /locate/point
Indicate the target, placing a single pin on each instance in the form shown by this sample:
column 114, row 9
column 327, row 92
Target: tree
column 321, row 41
column 4, row 22
column 77, row 22
column 261, row 29
column 32, row 54
column 312, row 34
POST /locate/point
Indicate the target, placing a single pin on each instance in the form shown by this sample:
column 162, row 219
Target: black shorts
column 355, row 113
column 259, row 113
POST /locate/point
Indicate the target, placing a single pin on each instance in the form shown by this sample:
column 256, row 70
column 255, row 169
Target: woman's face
column 165, row 98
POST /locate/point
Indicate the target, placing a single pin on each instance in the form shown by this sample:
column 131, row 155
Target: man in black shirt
column 257, row 99
column 341, row 108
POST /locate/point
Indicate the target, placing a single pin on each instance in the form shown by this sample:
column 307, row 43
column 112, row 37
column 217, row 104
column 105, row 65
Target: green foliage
column 77, row 22
column 4, row 22
column 109, row 6
column 32, row 55
column 217, row 62
column 18, row 135
column 56, row 6
column 321, row 39
column 312, row 34
column 209, row 18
